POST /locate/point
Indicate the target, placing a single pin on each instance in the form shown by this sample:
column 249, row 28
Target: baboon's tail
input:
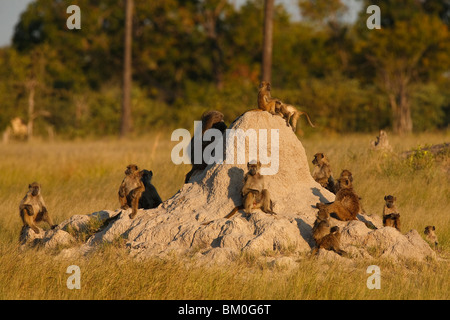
column 307, row 117
column 232, row 213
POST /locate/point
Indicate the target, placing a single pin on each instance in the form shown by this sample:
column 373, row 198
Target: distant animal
column 322, row 172
column 265, row 100
column 291, row 114
column 210, row 120
column 431, row 235
column 254, row 193
column 381, row 142
column 131, row 189
column 150, row 198
column 346, row 205
column 32, row 208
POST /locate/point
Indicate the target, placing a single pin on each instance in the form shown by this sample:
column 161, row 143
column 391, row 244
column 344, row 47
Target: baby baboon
column 391, row 217
column 265, row 101
column 321, row 226
column 330, row 242
column 291, row 114
column 431, row 235
column 254, row 195
column 322, row 172
column 210, row 120
column 150, row 198
column 32, row 208
column 346, row 205
column 131, row 189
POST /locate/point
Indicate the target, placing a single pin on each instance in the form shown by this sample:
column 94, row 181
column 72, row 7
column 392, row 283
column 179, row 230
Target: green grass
column 82, row 177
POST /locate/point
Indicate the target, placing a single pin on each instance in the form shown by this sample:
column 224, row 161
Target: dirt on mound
column 178, row 224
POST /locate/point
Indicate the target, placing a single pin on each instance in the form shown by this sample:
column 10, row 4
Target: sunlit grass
column 83, row 177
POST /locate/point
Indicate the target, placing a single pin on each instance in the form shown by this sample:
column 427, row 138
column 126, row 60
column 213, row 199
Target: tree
column 125, row 123
column 411, row 47
column 266, row 71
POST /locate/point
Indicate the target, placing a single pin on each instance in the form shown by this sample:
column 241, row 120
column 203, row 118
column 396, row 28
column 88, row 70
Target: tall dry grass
column 83, row 177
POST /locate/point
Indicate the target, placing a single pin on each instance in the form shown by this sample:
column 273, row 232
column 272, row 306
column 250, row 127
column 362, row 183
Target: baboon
column 392, row 220
column 131, row 189
column 431, row 235
column 253, row 193
column 265, row 101
column 213, row 119
column 346, row 205
column 321, row 226
column 291, row 114
column 33, row 209
column 330, row 242
column 150, row 198
column 346, row 173
column 210, row 120
column 391, row 217
column 322, row 172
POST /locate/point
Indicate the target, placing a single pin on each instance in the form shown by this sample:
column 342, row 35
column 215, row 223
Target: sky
column 10, row 11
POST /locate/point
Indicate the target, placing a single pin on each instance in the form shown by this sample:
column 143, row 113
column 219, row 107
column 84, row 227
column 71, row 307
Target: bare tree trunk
column 31, row 115
column 125, row 126
column 266, row 72
column 401, row 111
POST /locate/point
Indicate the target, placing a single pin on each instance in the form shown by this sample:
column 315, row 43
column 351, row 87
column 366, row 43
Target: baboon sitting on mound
column 150, row 198
column 254, row 193
column 322, row 172
column 346, row 205
column 391, row 217
column 33, row 209
column 131, row 189
column 210, row 120
column 325, row 236
column 321, row 226
column 265, row 100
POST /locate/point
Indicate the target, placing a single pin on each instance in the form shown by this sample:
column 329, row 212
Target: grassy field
column 81, row 177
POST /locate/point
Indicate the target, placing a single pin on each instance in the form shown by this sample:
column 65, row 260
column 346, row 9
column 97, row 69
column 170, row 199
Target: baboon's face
column 278, row 106
column 35, row 189
column 265, row 85
column 253, row 168
column 345, row 182
column 429, row 230
column 132, row 168
column 390, row 201
column 317, row 158
column 348, row 174
column 147, row 176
